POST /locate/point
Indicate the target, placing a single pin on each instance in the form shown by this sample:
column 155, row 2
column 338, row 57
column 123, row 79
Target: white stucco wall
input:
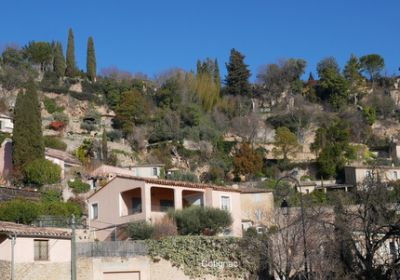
column 6, row 125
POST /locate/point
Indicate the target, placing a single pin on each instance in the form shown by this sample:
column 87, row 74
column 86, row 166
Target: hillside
column 208, row 131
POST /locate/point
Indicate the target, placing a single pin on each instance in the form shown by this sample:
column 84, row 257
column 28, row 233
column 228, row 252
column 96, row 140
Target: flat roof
column 372, row 167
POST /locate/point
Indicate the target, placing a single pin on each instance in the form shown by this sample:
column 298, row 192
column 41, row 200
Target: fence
column 111, row 249
column 59, row 221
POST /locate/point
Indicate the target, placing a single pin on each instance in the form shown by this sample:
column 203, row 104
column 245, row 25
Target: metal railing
column 111, row 249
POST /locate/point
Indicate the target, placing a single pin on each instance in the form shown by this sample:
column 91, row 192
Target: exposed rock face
column 76, row 87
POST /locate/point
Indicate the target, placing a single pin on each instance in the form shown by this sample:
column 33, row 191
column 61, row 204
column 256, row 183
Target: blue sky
column 155, row 35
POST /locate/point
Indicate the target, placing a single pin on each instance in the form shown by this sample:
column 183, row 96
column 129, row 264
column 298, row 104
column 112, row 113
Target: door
column 121, row 275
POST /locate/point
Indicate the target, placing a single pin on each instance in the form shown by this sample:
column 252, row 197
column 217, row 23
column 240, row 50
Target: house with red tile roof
column 128, row 198
column 34, row 252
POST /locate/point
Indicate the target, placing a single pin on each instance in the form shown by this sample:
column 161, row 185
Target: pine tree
column 91, row 60
column 59, row 60
column 352, row 70
column 71, row 69
column 27, row 135
column 237, row 80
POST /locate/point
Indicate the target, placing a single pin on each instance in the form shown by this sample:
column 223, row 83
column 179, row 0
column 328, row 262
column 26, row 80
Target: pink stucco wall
column 112, row 206
column 235, row 209
column 59, row 250
column 6, row 158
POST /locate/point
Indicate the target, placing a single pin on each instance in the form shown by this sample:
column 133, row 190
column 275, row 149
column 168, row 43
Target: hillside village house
column 61, row 158
column 322, row 185
column 126, row 198
column 356, row 175
column 6, row 123
column 108, row 172
column 394, row 150
column 39, row 253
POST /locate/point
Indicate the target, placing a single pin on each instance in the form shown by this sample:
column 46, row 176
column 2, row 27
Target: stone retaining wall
column 93, row 269
column 36, row 271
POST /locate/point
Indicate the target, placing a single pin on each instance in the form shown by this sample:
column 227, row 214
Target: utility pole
column 73, row 249
column 13, row 241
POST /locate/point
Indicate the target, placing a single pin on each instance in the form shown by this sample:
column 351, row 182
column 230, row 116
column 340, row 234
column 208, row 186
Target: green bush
column 51, row 105
column 60, row 209
column 140, row 230
column 19, row 211
column 54, row 143
column 61, row 117
column 88, row 126
column 78, row 186
column 3, row 136
column 189, row 253
column 51, row 83
column 114, row 135
column 85, row 96
column 183, row 176
column 51, row 196
column 26, row 212
column 42, row 171
column 200, row 220
column 91, row 120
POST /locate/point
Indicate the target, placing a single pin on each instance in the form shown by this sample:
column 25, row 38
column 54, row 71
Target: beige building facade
column 356, row 175
column 125, row 199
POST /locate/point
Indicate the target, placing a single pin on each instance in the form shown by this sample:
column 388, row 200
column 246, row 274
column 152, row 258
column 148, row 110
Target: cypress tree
column 59, row 60
column 71, row 69
column 104, row 146
column 237, row 80
column 27, row 136
column 198, row 67
column 91, row 60
column 217, row 76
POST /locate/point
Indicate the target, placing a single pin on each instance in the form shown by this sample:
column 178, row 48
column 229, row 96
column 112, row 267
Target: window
column 155, row 171
column 395, row 176
column 225, row 203
column 258, row 214
column 136, row 205
column 95, row 211
column 41, row 250
column 368, row 173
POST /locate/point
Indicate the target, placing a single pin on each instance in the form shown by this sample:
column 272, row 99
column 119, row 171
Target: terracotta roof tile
column 31, row 231
column 62, row 155
column 181, row 184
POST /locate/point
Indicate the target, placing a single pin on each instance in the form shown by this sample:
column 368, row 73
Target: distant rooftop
column 62, row 155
